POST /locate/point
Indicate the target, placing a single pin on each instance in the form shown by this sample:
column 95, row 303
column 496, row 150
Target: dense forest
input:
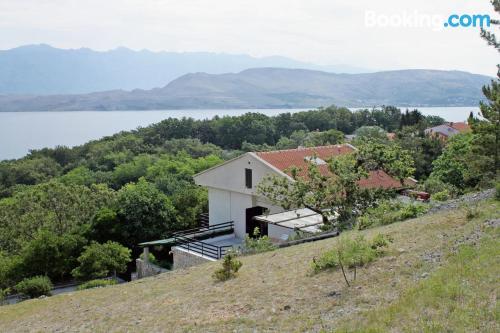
column 137, row 186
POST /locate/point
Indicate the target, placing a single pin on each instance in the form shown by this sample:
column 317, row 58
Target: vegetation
column 351, row 253
column 280, row 285
column 257, row 243
column 230, row 266
column 98, row 283
column 455, row 298
column 101, row 260
column 389, row 211
column 35, row 287
column 137, row 186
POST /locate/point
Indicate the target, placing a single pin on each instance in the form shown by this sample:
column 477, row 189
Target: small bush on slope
column 35, row 287
column 387, row 212
column 230, row 266
column 257, row 244
column 350, row 253
column 459, row 297
column 96, row 284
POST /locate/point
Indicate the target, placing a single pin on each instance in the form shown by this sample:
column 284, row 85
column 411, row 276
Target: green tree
column 53, row 207
column 389, row 157
column 328, row 194
column 489, row 132
column 145, row 213
column 51, row 255
column 371, row 132
column 451, row 167
column 101, row 260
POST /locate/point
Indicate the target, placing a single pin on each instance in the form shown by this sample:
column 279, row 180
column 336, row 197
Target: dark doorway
column 251, row 223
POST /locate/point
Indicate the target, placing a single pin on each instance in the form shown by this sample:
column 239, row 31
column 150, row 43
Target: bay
column 21, row 132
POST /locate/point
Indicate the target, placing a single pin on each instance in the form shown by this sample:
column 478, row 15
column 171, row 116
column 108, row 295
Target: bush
column 258, row 244
column 471, row 211
column 387, row 212
column 497, row 191
column 441, row 196
column 35, row 287
column 3, row 295
column 101, row 260
column 350, row 253
column 434, row 185
column 380, row 242
column 151, row 258
column 230, row 266
column 96, row 284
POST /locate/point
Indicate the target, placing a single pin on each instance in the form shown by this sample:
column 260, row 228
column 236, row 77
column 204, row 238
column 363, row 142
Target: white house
column 235, row 207
column 232, row 186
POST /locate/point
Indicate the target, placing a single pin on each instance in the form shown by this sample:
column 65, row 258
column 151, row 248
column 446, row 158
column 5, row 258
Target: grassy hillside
column 421, row 284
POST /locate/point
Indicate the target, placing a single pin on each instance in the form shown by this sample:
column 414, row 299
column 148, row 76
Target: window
column 248, row 178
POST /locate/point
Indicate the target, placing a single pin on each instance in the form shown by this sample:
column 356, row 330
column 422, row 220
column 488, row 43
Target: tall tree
column 491, row 110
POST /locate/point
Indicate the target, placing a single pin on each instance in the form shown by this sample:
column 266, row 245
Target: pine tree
column 491, row 109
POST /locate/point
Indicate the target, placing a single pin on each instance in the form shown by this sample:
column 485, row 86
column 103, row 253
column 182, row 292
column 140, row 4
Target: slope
column 275, row 291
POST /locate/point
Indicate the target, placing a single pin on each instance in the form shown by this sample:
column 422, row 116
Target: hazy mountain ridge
column 275, row 88
column 43, row 70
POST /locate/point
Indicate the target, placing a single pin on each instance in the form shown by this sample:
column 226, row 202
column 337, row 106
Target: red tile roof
column 460, row 126
column 286, row 159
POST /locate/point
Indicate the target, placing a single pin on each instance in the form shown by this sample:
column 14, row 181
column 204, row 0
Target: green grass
column 459, row 297
column 276, row 291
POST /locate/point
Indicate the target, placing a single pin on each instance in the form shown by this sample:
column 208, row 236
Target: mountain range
column 44, row 70
column 275, row 88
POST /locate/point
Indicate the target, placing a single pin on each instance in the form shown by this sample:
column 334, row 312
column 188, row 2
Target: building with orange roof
column 232, row 186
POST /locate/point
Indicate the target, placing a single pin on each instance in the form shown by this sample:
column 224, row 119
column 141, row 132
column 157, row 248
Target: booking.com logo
column 465, row 20
column 416, row 19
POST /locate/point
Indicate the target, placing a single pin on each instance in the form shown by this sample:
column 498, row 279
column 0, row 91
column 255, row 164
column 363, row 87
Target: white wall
column 239, row 204
column 231, row 175
column 219, row 206
column 227, row 194
column 225, row 206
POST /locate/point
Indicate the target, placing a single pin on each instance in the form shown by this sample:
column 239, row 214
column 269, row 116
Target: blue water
column 23, row 131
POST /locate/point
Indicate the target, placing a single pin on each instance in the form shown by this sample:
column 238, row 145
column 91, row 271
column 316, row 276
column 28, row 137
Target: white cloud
column 320, row 31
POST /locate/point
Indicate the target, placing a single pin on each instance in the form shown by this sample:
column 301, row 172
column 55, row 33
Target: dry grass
column 274, row 291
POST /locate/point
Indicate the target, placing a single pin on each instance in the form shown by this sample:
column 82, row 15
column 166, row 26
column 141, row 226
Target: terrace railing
column 190, row 239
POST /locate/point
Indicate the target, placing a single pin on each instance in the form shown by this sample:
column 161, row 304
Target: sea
column 21, row 132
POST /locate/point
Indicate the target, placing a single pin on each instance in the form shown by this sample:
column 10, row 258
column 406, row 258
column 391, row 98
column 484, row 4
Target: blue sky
column 318, row 31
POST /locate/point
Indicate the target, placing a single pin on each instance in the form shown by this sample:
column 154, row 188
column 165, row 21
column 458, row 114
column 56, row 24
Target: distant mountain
column 275, row 88
column 42, row 69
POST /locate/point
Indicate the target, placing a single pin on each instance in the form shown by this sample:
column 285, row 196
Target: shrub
column 387, row 212
column 230, row 266
column 441, row 196
column 471, row 211
column 3, row 295
column 434, row 185
column 96, row 284
column 101, row 260
column 497, row 191
column 258, row 244
column 151, row 258
column 380, row 242
column 350, row 253
column 35, row 287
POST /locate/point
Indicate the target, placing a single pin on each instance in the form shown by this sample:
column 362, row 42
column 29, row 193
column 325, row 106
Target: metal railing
column 200, row 247
column 216, row 228
column 187, row 239
column 203, row 220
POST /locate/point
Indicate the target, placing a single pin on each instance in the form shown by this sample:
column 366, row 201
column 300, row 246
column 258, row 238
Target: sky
column 326, row 32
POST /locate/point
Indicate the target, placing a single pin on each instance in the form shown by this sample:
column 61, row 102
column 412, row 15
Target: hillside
column 42, row 69
column 420, row 284
column 275, row 88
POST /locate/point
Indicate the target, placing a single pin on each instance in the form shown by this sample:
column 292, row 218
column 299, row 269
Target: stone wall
column 184, row 259
column 145, row 269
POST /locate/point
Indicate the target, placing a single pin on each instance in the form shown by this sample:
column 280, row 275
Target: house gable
column 234, row 174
